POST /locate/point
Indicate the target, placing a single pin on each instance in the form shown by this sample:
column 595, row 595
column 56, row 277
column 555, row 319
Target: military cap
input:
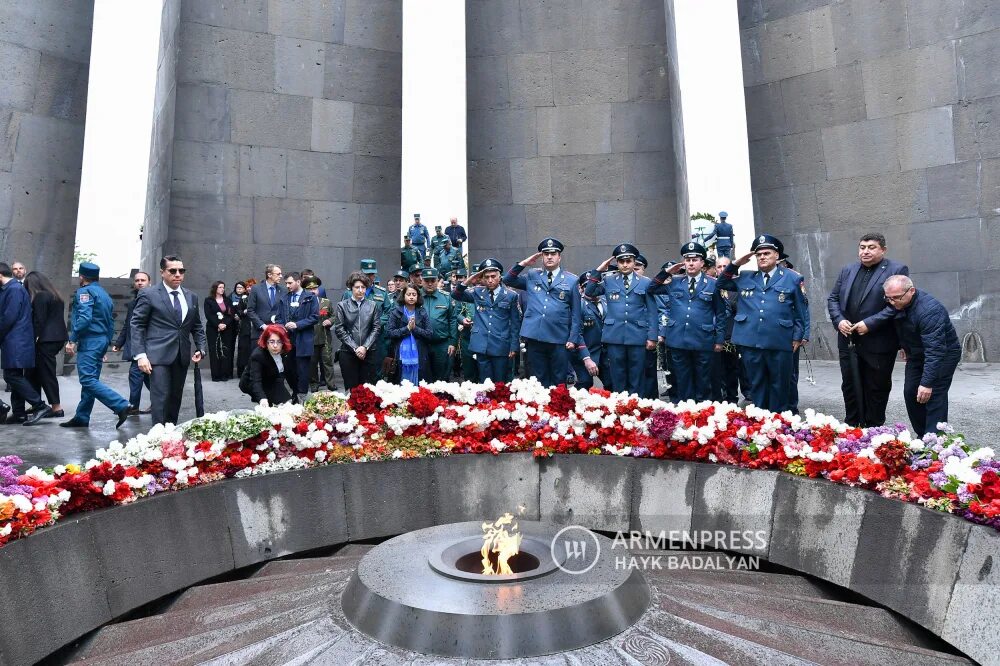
column 475, row 268
column 641, row 260
column 782, row 257
column 437, row 227
column 406, row 237
column 368, row 266
column 668, row 265
column 491, row 264
column 447, row 240
column 625, row 250
column 460, row 273
column 693, row 249
column 429, row 274
column 550, row 245
column 415, row 268
column 766, row 241
column 311, row 282
column 89, row 270
column 402, row 275
column 586, row 275
column 723, row 214
column 416, row 216
column 709, row 261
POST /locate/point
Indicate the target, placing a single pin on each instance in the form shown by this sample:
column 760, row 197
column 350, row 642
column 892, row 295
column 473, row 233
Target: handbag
column 389, row 364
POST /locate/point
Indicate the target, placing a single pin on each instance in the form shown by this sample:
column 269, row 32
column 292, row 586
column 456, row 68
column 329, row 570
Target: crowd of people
column 716, row 331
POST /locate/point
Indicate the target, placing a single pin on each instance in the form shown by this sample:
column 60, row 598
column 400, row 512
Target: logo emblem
column 621, row 248
column 761, row 239
column 575, row 549
column 550, row 243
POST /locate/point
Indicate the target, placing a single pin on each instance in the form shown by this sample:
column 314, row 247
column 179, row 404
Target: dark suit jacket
column 17, row 332
column 875, row 312
column 259, row 307
column 124, row 337
column 262, row 380
column 155, row 331
column 49, row 316
column 305, row 317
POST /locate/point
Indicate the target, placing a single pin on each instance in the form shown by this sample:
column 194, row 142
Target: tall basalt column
column 44, row 70
column 287, row 134
column 880, row 116
column 573, row 128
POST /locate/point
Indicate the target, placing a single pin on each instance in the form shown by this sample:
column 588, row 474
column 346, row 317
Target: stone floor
column 974, row 394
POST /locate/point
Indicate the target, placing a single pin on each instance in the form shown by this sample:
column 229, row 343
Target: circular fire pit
column 425, row 591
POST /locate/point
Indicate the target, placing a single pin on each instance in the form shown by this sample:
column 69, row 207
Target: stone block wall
column 573, row 128
column 877, row 115
column 44, row 71
column 286, row 141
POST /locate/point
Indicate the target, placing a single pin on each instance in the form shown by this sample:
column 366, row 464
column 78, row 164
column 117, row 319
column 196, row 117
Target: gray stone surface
column 586, row 490
column 564, row 96
column 730, row 499
column 44, row 66
column 889, row 110
column 307, row 98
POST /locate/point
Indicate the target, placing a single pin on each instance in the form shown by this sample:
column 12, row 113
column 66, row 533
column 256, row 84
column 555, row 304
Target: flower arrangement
column 391, row 422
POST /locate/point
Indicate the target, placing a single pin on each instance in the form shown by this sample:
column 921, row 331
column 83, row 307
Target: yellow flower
column 72, row 468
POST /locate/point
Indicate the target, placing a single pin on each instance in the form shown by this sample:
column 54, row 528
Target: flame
column 497, row 539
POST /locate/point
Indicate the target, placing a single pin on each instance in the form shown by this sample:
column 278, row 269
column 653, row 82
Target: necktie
column 550, row 279
column 691, row 287
column 626, row 283
column 178, row 312
column 491, row 298
column 270, row 293
column 767, row 278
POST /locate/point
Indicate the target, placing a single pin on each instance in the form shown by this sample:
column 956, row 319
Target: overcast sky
column 120, row 103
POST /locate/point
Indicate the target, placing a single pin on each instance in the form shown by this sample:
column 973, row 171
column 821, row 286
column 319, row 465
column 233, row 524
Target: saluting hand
column 744, row 260
column 530, row 260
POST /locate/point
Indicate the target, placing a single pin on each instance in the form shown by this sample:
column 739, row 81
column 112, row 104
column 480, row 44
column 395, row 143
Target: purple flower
column 662, row 423
column 939, row 479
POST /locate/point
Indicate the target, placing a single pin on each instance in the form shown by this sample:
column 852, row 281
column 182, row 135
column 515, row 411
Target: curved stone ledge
column 64, row 581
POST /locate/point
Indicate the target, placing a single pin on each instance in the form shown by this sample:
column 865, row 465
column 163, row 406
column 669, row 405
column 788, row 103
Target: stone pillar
column 286, row 139
column 572, row 117
column 879, row 116
column 44, row 70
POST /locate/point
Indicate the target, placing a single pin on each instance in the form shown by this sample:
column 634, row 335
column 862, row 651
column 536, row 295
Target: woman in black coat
column 48, row 314
column 244, row 334
column 408, row 319
column 264, row 377
column 220, row 327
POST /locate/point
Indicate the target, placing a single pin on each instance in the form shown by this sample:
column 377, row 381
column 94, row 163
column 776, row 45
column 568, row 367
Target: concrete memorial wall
column 574, row 128
column 277, row 138
column 44, row 70
column 880, row 116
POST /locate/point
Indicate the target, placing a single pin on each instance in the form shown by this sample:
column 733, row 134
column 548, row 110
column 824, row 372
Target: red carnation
column 560, row 401
column 423, row 403
column 363, row 400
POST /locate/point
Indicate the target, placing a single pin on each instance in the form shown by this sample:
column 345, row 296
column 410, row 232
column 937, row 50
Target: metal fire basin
column 407, row 592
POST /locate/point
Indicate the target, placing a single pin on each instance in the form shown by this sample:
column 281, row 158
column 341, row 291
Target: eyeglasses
column 896, row 299
column 274, row 342
column 177, row 271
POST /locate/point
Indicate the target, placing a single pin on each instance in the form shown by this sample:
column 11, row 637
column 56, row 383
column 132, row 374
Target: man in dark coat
column 859, row 313
column 136, row 379
column 298, row 311
column 262, row 303
column 17, row 347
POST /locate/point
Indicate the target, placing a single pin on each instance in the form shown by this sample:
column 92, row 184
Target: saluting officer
column 590, row 360
column 419, row 237
column 770, row 322
column 551, row 325
column 497, row 321
column 443, row 315
column 630, row 323
column 696, row 323
column 437, row 242
column 92, row 325
column 723, row 235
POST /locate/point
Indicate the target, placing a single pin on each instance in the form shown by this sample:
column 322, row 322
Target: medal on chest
column 781, row 297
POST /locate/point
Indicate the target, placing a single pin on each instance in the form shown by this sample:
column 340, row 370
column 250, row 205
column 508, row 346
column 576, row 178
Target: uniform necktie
column 767, row 278
column 178, row 312
column 626, row 283
column 550, row 279
column 691, row 287
column 491, row 297
column 270, row 293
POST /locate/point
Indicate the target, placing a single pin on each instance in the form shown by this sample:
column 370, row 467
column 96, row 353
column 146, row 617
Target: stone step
column 220, row 594
column 824, row 647
column 767, row 583
column 319, row 642
column 306, row 566
column 844, row 619
column 138, row 633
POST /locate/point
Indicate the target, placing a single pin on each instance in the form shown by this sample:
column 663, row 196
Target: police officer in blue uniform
column 696, row 323
column 630, row 325
column 771, row 322
column 496, row 326
column 551, row 325
column 723, row 235
column 590, row 360
column 92, row 326
column 420, row 238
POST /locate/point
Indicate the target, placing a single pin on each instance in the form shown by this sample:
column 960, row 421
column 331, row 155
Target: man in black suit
column 262, row 303
column 164, row 320
column 860, row 314
column 298, row 311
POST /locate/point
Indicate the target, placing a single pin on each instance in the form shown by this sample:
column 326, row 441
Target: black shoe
column 17, row 418
column 133, row 411
column 56, row 414
column 74, row 423
column 37, row 416
column 122, row 415
column 4, row 411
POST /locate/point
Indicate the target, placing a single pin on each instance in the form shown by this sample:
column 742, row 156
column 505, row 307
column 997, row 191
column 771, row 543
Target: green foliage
column 704, row 216
column 235, row 427
column 80, row 257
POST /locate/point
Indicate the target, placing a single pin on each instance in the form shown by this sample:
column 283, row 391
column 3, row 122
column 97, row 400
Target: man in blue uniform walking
column 630, row 325
column 496, row 321
column 723, row 235
column 696, row 323
column 91, row 328
column 420, row 238
column 551, row 324
column 771, row 322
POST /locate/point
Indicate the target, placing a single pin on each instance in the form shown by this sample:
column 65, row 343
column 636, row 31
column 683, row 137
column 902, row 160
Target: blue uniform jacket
column 592, row 329
column 723, row 233
column 92, row 314
column 17, row 332
column 631, row 317
column 767, row 318
column 551, row 314
column 927, row 335
column 305, row 316
column 419, row 236
column 496, row 327
column 695, row 322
